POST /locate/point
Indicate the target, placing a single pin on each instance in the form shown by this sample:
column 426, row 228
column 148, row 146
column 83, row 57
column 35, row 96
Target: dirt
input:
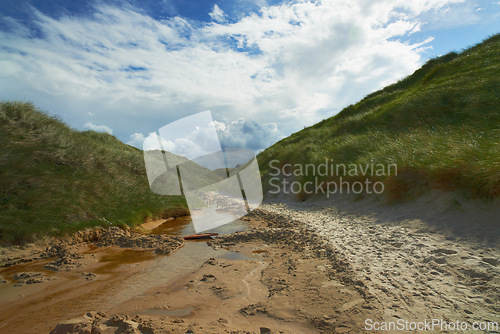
column 299, row 287
column 160, row 244
column 64, row 251
column 257, row 282
column 297, row 268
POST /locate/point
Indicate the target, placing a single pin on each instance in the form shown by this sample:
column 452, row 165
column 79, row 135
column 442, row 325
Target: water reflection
column 126, row 256
column 183, row 226
column 177, row 227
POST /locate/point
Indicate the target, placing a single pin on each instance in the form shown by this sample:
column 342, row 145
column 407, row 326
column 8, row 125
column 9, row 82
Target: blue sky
column 264, row 68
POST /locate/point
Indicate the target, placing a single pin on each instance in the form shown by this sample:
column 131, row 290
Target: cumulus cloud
column 191, row 144
column 217, row 14
column 237, row 134
column 248, row 134
column 98, row 128
column 290, row 65
column 136, row 139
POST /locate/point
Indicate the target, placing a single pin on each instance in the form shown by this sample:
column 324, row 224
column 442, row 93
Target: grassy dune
column 55, row 180
column 441, row 126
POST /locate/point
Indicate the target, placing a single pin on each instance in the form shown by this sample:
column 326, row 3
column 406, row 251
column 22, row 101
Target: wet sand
column 289, row 269
column 249, row 281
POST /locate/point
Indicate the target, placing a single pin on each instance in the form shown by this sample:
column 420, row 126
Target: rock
column 92, row 314
column 130, row 324
column 26, row 275
column 26, row 278
column 98, row 322
column 51, row 267
column 89, row 276
column 72, row 326
column 265, row 330
column 65, row 258
column 159, row 243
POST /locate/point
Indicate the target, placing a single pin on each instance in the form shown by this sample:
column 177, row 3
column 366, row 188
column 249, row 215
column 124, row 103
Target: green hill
column 55, row 180
column 440, row 126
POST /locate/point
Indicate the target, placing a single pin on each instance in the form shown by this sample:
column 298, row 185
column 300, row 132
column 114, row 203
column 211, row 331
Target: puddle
column 191, row 255
column 177, row 227
column 127, row 256
column 182, row 312
column 183, row 226
column 162, row 268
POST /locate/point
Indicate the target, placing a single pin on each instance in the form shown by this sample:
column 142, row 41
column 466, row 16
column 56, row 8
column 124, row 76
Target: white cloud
column 237, row 134
column 217, row 14
column 290, row 65
column 98, row 128
column 136, row 139
column 192, row 145
column 450, row 16
column 247, row 134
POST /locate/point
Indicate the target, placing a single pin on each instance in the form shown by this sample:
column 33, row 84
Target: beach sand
column 295, row 268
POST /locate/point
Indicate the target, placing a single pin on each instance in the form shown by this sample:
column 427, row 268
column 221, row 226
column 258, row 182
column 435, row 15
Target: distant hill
column 192, row 174
column 440, row 126
column 54, row 179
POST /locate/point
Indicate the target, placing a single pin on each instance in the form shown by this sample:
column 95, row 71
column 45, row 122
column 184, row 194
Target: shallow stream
column 121, row 274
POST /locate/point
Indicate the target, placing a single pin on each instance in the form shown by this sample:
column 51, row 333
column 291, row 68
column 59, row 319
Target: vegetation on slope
column 441, row 126
column 55, row 180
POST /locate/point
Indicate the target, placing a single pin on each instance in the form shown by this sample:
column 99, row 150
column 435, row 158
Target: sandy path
column 415, row 274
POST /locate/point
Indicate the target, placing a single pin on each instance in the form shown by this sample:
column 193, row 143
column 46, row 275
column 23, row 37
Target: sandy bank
column 428, row 259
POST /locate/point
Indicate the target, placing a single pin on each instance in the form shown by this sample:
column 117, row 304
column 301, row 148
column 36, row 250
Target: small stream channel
column 164, row 268
column 115, row 283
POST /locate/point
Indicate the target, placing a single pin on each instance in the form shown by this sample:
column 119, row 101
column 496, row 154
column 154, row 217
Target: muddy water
column 121, row 274
column 178, row 227
column 36, row 266
column 127, row 256
column 183, row 226
column 164, row 268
